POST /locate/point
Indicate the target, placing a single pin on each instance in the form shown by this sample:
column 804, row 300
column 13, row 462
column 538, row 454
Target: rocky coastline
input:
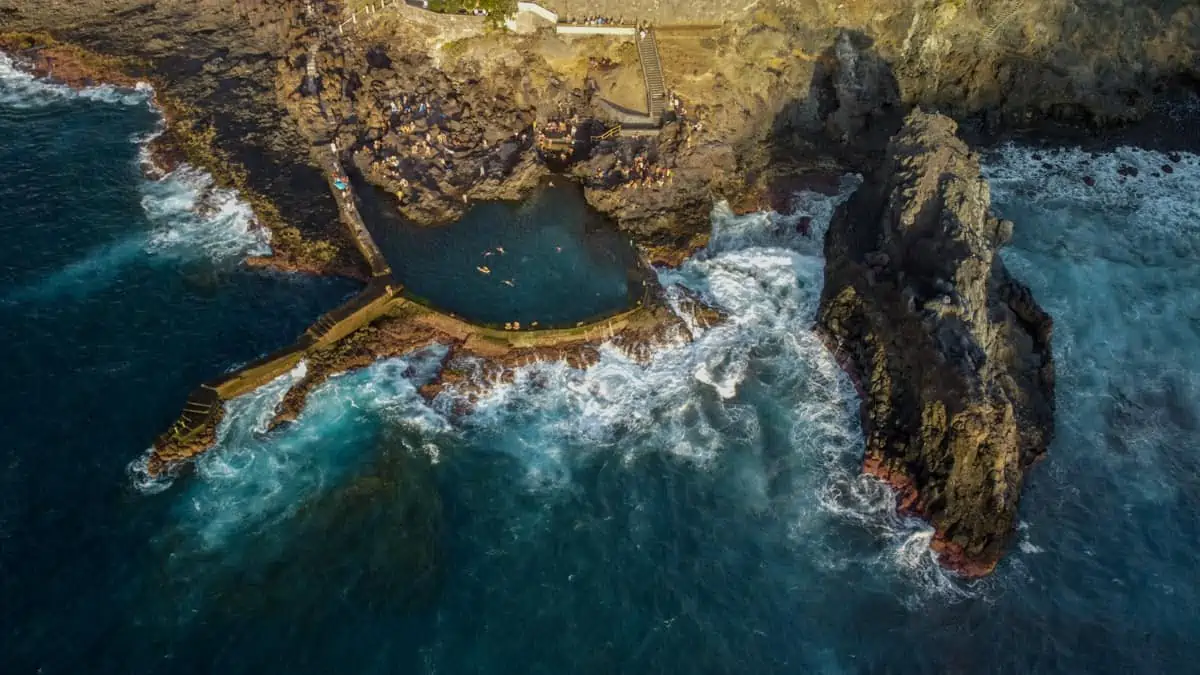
column 951, row 354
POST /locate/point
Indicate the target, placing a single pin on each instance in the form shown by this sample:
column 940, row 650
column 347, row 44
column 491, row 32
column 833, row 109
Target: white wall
column 595, row 30
column 534, row 8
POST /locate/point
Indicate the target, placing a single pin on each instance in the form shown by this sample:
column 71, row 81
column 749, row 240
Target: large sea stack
column 951, row 353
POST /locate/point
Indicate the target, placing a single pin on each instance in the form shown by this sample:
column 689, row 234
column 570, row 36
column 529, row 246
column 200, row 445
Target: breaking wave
column 192, row 216
column 190, row 219
column 759, row 390
column 23, row 91
column 254, row 478
column 187, row 216
column 705, row 400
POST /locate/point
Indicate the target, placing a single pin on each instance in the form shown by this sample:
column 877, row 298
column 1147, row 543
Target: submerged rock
column 952, row 355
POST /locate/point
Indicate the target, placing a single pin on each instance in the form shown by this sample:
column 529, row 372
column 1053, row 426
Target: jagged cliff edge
column 951, row 354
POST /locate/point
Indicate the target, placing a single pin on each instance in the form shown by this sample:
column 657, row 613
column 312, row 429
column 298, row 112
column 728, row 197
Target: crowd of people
column 555, row 139
column 417, row 140
column 594, row 21
column 558, row 129
column 641, row 172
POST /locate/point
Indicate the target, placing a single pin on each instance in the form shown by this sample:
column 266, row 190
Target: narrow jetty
column 339, row 184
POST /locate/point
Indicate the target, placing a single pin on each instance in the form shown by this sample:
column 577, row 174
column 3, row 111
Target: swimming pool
column 550, row 259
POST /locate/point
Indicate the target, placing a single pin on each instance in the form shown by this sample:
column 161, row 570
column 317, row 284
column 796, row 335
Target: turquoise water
column 549, row 259
column 698, row 513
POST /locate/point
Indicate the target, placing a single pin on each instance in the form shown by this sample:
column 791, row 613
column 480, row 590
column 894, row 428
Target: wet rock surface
column 440, row 112
column 951, row 354
column 213, row 65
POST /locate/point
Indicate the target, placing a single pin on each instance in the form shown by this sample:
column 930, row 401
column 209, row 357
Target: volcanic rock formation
column 952, row 355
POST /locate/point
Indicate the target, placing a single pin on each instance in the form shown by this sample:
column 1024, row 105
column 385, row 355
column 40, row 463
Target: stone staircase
column 322, row 327
column 656, row 90
column 200, row 407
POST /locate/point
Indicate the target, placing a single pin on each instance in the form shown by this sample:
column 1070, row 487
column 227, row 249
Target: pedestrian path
column 351, row 218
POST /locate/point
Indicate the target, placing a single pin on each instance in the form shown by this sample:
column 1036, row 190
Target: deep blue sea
column 700, row 513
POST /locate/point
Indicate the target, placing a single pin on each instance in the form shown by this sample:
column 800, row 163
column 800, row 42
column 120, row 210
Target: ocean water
column 550, row 259
column 700, row 513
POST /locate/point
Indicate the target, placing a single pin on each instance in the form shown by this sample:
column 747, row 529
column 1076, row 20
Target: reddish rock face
column 950, row 353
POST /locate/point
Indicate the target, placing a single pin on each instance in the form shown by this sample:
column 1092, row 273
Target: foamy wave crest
column 1145, row 199
column 21, row 90
column 253, row 478
column 802, row 230
column 145, row 482
column 1117, row 264
column 684, row 401
column 708, row 400
column 192, row 216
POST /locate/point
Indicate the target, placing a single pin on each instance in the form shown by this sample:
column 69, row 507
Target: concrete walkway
column 348, row 212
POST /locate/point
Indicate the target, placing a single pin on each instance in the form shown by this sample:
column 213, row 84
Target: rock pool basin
column 550, row 259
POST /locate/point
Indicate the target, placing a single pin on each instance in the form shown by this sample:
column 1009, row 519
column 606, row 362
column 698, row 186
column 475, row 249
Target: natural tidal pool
column 699, row 513
column 550, row 259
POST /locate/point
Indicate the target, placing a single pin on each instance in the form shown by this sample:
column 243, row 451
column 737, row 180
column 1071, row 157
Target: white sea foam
column 192, row 216
column 690, row 400
column 1029, row 547
column 143, row 481
column 253, row 478
column 1118, row 262
column 1149, row 219
column 21, row 90
column 191, row 219
column 700, row 402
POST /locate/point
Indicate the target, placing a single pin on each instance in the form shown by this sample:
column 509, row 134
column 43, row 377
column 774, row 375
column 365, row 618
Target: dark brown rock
column 952, row 355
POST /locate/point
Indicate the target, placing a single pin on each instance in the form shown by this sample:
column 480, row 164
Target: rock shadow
column 851, row 109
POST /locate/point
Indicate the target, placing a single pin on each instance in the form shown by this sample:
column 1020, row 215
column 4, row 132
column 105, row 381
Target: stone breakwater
column 380, row 323
column 951, row 354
